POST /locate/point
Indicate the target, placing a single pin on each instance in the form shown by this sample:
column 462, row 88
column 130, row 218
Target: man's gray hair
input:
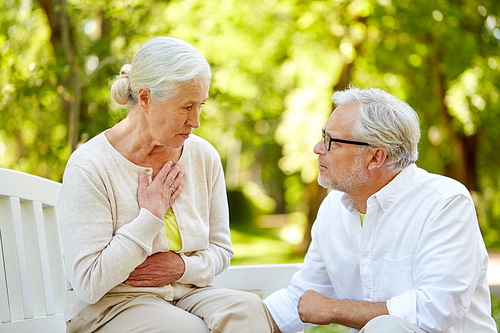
column 162, row 64
column 384, row 121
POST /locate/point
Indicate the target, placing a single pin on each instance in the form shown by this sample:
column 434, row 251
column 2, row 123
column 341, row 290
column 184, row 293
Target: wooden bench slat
column 4, row 299
column 16, row 267
column 48, row 324
column 46, row 276
column 55, row 255
column 29, row 212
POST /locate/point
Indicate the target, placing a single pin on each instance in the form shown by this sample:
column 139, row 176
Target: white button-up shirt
column 419, row 250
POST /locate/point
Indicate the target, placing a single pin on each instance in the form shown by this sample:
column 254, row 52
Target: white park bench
column 31, row 268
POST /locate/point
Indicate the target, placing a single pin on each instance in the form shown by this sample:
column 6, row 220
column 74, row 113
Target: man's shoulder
column 444, row 185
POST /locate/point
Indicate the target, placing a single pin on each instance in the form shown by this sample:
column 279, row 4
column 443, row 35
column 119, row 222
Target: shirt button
column 183, row 226
column 385, row 206
column 170, row 295
column 365, row 255
column 367, row 295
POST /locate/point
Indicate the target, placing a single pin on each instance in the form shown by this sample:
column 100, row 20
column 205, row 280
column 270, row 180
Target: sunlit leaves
column 464, row 102
column 274, row 66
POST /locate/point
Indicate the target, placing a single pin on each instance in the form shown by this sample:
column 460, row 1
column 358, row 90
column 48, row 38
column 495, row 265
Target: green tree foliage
column 33, row 131
column 275, row 65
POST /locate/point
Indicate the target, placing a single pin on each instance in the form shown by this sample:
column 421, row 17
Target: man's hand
column 157, row 270
column 315, row 308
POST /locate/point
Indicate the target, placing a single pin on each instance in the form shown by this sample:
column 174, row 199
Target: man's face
column 343, row 167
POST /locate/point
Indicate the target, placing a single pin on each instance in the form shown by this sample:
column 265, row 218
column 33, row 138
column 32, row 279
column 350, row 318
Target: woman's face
column 170, row 122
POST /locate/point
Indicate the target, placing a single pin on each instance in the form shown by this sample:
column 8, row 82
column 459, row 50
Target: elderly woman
column 144, row 214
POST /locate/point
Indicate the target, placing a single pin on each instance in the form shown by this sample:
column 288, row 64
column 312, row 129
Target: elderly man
column 394, row 248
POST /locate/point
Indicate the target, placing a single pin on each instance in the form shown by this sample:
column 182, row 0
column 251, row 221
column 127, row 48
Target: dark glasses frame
column 327, row 141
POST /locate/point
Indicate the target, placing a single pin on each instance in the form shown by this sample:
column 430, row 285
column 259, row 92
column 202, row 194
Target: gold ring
column 172, row 190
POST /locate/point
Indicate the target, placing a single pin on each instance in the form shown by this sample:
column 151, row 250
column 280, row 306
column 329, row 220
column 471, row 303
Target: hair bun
column 125, row 71
column 120, row 91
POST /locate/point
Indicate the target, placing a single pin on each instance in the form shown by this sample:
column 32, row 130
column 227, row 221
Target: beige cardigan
column 106, row 236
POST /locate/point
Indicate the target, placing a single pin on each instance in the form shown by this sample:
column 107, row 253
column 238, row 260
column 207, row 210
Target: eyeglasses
column 327, row 141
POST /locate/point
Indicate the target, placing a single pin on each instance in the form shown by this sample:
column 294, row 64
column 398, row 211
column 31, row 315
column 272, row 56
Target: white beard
column 356, row 177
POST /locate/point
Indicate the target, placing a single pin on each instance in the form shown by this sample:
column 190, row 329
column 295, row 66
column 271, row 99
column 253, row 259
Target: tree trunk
column 70, row 85
column 63, row 44
column 467, row 146
column 315, row 196
column 463, row 166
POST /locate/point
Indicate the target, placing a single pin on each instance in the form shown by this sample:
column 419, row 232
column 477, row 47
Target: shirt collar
column 390, row 192
column 348, row 203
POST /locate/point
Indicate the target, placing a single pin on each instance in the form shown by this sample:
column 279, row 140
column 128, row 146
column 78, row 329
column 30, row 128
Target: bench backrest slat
column 4, row 296
column 16, row 267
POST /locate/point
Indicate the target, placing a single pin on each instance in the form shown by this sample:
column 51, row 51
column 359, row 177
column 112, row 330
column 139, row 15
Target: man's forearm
column 356, row 314
column 317, row 309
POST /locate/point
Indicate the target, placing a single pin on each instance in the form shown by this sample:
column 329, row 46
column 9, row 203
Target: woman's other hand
column 159, row 269
column 161, row 194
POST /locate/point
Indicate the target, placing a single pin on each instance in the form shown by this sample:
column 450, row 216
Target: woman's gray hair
column 384, row 121
column 162, row 64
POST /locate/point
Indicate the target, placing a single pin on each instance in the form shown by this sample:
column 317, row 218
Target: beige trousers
column 203, row 310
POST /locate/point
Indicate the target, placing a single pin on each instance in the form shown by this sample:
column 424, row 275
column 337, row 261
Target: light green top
column 361, row 217
column 172, row 231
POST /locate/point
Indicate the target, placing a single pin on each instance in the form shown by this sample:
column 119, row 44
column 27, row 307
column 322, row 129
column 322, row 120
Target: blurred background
column 275, row 66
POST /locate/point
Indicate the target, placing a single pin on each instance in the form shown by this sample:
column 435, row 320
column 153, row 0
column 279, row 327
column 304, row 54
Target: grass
column 495, row 309
column 261, row 246
column 327, row 329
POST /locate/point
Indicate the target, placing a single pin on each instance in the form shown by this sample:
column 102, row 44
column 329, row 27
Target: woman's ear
column 144, row 98
column 378, row 157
